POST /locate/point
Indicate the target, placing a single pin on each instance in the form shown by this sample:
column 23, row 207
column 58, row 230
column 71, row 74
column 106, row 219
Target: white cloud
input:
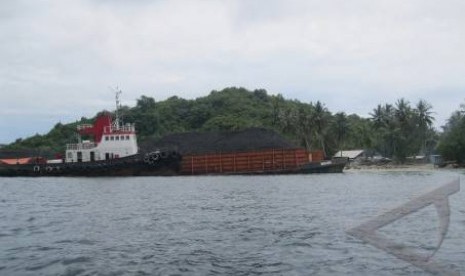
column 60, row 57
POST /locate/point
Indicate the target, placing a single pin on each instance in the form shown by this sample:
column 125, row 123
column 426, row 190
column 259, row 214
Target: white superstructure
column 110, row 140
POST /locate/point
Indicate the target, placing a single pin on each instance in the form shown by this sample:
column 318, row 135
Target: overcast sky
column 60, row 58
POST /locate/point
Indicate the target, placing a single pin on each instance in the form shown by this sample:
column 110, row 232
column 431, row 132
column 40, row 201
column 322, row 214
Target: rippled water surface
column 241, row 225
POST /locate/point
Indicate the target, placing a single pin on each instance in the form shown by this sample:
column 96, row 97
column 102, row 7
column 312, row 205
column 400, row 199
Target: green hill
column 397, row 130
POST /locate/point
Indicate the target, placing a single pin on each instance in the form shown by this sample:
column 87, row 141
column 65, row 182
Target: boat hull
column 309, row 168
column 172, row 164
column 267, row 161
column 136, row 165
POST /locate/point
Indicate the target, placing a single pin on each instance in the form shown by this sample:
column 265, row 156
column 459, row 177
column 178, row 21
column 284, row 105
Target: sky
column 60, row 60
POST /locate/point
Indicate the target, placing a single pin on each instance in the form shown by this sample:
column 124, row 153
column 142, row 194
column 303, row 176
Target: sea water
column 220, row 225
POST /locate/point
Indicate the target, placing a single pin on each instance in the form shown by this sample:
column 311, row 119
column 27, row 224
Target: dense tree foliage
column 51, row 142
column 394, row 130
column 402, row 131
column 452, row 142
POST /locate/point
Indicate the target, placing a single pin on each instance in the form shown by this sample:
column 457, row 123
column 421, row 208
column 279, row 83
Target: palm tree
column 424, row 112
column 402, row 111
column 454, row 120
column 377, row 116
column 389, row 113
column 403, row 131
column 383, row 120
column 304, row 125
column 342, row 127
column 287, row 119
column 320, row 123
column 424, row 120
column 295, row 120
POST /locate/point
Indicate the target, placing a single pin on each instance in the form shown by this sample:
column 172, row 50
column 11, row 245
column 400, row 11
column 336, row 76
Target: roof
column 351, row 154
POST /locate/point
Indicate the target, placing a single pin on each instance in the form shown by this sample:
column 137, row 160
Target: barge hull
column 262, row 162
column 271, row 161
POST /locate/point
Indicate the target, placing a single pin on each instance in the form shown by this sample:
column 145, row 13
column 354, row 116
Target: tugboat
column 112, row 152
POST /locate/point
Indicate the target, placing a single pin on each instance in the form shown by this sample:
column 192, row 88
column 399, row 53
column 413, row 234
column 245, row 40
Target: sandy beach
column 390, row 167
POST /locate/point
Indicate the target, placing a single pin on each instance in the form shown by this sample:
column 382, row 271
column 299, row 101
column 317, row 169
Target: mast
column 116, row 123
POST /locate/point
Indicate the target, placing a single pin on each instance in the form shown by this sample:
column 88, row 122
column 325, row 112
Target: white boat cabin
column 110, row 141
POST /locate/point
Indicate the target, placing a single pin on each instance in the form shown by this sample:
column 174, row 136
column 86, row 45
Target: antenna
column 118, row 93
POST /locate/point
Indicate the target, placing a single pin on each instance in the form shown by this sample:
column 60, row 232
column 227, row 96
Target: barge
column 113, row 151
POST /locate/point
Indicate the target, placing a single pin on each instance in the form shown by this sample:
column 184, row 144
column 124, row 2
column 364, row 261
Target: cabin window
column 127, row 137
column 122, row 137
column 106, row 138
column 70, row 155
column 112, row 138
column 117, row 138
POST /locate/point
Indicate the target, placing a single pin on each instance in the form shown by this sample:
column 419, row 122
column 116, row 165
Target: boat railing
column 124, row 128
column 81, row 146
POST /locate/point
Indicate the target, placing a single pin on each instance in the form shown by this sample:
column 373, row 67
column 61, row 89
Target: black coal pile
column 208, row 142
